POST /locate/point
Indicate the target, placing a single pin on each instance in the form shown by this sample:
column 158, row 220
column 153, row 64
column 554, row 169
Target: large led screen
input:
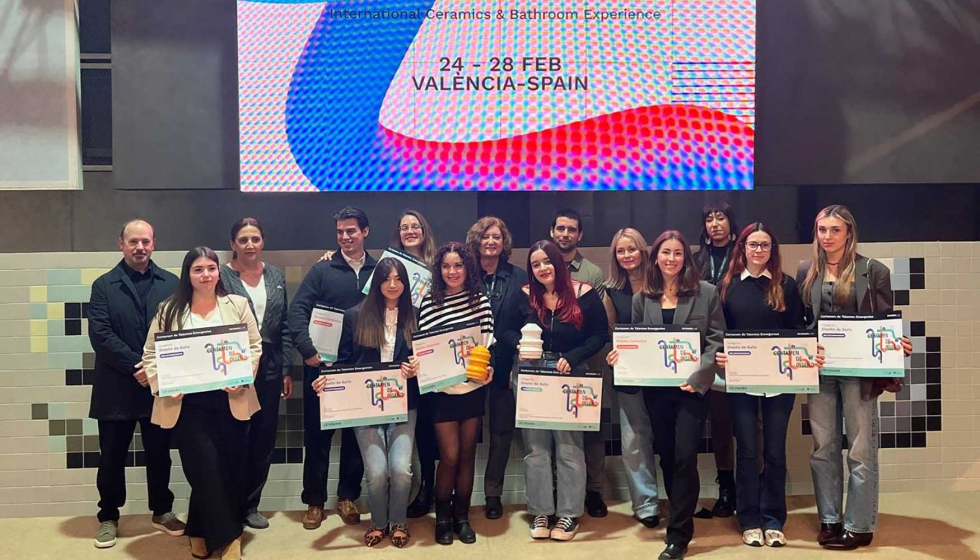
column 413, row 95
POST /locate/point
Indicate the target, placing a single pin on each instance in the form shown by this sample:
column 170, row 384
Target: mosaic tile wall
column 49, row 448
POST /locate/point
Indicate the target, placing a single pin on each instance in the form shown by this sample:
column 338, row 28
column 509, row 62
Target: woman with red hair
column 574, row 328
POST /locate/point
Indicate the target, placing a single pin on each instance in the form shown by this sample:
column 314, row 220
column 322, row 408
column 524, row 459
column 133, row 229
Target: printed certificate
column 442, row 354
column 656, row 356
column 419, row 275
column 326, row 324
column 771, row 362
column 549, row 400
column 199, row 360
column 863, row 345
column 363, row 395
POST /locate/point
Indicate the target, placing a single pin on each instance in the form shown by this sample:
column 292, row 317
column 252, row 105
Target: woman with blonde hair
column 627, row 276
column 839, row 280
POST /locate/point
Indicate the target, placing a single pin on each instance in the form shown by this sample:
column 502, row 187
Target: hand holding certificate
column 442, row 354
column 656, row 356
column 550, row 400
column 326, row 325
column 771, row 362
column 363, row 395
column 199, row 360
column 863, row 345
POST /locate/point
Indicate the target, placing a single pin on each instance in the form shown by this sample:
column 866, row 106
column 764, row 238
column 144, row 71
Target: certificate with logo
column 326, row 325
column 198, row 360
column 550, row 400
column 656, row 356
column 419, row 276
column 363, row 395
column 771, row 362
column 863, row 345
column 442, row 354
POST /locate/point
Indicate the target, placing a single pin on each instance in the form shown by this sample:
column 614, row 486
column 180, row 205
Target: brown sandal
column 374, row 535
column 399, row 540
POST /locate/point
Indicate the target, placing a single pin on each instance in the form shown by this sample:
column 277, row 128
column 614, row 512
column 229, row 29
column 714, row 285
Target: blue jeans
column 570, row 460
column 387, row 453
column 760, row 499
column 638, row 459
column 840, row 399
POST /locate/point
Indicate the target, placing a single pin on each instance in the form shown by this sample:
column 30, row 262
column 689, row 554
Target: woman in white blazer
column 210, row 428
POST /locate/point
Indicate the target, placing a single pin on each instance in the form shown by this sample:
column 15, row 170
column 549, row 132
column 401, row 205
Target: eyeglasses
column 753, row 246
column 413, row 227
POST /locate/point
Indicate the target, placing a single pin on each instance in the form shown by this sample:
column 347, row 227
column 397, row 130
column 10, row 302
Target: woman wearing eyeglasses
column 492, row 243
column 839, row 280
column 756, row 295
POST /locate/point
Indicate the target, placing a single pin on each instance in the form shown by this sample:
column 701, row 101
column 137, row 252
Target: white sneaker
column 540, row 527
column 753, row 537
column 775, row 538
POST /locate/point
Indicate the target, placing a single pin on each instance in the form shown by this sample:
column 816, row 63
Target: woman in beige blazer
column 210, row 428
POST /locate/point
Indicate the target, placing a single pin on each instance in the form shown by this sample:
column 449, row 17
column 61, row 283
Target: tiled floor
column 911, row 525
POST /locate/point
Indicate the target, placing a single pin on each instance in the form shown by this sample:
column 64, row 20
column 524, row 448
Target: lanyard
column 715, row 276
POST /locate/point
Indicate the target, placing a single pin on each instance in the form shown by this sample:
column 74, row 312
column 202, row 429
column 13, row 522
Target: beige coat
column 234, row 310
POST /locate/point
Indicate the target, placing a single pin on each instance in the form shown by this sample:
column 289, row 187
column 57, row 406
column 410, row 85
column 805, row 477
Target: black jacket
column 117, row 327
column 277, row 343
column 575, row 345
column 332, row 283
column 351, row 353
column 510, row 308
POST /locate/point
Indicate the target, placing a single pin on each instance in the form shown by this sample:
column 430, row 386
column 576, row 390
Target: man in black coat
column 124, row 301
column 337, row 283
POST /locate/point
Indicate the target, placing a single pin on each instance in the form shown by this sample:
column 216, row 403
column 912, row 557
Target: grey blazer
column 702, row 311
column 872, row 286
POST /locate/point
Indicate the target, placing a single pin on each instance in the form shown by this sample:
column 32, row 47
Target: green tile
column 56, row 411
column 75, row 294
column 75, row 343
column 64, row 360
column 90, row 426
column 39, row 311
column 64, row 277
column 56, row 327
column 57, row 444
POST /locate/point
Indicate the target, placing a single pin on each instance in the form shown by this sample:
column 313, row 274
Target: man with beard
column 567, row 232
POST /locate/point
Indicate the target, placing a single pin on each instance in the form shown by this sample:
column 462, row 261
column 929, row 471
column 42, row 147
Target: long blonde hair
column 845, row 267
column 619, row 278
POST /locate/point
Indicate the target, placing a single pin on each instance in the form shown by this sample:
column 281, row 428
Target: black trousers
column 213, row 447
column 425, row 442
column 502, row 408
column 261, row 440
column 114, row 439
column 677, row 420
column 316, row 463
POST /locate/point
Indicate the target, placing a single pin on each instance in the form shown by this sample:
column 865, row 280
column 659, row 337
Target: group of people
column 734, row 282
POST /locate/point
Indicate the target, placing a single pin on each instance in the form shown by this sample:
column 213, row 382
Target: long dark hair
column 774, row 293
column 567, row 310
column 173, row 308
column 688, row 279
column 703, row 257
column 428, row 239
column 370, row 330
column 472, row 283
column 237, row 227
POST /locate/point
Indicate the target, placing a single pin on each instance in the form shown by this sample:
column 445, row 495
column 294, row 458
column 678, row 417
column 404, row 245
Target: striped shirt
column 457, row 309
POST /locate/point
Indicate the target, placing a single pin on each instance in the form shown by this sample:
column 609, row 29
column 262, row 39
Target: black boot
column 461, row 520
column 444, row 522
column 725, row 506
column 422, row 504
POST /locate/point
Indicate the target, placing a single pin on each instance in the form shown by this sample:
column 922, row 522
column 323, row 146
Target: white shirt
column 355, row 264
column 391, row 331
column 747, row 274
column 195, row 321
column 258, row 296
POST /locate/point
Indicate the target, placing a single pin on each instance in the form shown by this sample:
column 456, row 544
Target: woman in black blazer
column 839, row 280
column 264, row 285
column 675, row 295
column 379, row 330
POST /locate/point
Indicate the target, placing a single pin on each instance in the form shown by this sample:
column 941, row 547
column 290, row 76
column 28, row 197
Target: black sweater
column 351, row 353
column 576, row 345
column 745, row 306
column 332, row 283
